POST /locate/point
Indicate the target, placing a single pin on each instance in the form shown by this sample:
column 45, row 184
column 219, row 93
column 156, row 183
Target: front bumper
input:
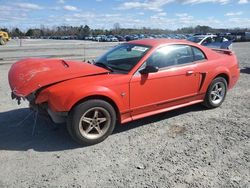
column 43, row 109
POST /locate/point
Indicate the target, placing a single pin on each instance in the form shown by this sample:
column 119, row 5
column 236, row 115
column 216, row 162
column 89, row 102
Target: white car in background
column 212, row 41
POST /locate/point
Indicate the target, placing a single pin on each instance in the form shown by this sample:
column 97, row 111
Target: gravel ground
column 188, row 147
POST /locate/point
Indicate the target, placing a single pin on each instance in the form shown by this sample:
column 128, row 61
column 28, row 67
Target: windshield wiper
column 100, row 64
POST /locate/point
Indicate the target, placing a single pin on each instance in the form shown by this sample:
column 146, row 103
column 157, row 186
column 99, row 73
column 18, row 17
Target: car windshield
column 122, row 58
column 195, row 39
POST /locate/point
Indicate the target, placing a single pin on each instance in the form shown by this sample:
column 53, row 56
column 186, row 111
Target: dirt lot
column 189, row 147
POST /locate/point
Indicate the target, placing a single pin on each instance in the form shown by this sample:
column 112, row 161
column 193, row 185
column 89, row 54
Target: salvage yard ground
column 189, row 147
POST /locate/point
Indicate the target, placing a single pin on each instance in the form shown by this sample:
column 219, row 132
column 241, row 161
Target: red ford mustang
column 131, row 81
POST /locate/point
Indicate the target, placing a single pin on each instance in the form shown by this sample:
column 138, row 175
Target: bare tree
column 117, row 28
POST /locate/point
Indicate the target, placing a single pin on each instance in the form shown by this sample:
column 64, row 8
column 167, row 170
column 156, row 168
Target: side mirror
column 149, row 69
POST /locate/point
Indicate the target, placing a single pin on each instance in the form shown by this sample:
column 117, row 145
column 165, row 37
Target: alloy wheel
column 217, row 93
column 94, row 123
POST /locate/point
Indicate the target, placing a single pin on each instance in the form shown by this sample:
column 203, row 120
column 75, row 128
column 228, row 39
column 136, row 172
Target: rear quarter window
column 198, row 54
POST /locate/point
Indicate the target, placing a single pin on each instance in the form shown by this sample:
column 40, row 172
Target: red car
column 131, row 81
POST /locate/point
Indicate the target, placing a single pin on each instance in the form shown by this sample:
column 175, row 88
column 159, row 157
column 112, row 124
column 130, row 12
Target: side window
column 198, row 54
column 171, row 55
column 207, row 41
column 213, row 39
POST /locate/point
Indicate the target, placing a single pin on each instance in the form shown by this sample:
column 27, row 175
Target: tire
column 2, row 42
column 216, row 93
column 91, row 122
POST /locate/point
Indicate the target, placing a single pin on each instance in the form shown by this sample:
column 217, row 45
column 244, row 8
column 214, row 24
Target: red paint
column 62, row 84
column 27, row 75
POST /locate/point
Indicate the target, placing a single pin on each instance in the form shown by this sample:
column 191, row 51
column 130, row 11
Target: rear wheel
column 91, row 122
column 216, row 93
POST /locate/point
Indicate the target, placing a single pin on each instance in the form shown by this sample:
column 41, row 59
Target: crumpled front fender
column 63, row 101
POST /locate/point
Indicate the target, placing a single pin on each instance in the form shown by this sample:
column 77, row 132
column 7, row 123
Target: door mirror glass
column 149, row 69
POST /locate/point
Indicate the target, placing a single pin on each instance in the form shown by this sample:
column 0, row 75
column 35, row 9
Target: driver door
column 175, row 82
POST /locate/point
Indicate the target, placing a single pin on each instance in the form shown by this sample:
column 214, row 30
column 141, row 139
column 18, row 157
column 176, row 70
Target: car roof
column 159, row 42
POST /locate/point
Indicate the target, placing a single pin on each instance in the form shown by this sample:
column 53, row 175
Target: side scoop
column 28, row 75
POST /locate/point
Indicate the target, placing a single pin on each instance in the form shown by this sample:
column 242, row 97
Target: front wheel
column 91, row 121
column 216, row 93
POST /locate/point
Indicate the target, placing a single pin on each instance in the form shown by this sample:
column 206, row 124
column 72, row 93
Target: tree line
column 83, row 31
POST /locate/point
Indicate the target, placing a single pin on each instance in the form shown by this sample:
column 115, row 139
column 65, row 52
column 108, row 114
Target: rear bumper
column 234, row 78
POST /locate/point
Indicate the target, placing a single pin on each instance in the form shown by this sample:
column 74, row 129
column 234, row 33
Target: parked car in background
column 212, row 41
column 120, row 38
column 111, row 38
column 141, row 36
column 132, row 81
column 128, row 37
column 100, row 38
column 89, row 37
column 247, row 36
column 242, row 36
column 218, row 40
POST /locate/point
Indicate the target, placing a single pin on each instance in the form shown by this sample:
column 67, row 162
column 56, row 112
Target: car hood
column 28, row 75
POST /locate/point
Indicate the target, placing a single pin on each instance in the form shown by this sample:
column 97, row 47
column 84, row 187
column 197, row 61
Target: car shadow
column 158, row 117
column 19, row 132
column 245, row 70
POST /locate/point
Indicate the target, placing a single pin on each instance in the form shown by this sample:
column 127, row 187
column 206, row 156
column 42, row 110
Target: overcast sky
column 165, row 14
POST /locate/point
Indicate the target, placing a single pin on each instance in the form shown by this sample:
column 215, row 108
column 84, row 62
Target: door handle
column 188, row 73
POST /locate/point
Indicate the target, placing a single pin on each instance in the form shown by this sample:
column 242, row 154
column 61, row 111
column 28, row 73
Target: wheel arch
column 223, row 75
column 100, row 97
column 210, row 79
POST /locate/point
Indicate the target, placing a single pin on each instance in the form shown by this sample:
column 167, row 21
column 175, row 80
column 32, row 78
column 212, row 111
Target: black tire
column 2, row 42
column 78, row 127
column 208, row 101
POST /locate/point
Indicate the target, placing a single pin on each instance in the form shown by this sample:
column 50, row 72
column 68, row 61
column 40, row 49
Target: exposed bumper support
column 57, row 117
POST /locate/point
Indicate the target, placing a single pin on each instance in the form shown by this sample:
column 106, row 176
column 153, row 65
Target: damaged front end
column 43, row 108
column 40, row 108
column 28, row 78
column 17, row 98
